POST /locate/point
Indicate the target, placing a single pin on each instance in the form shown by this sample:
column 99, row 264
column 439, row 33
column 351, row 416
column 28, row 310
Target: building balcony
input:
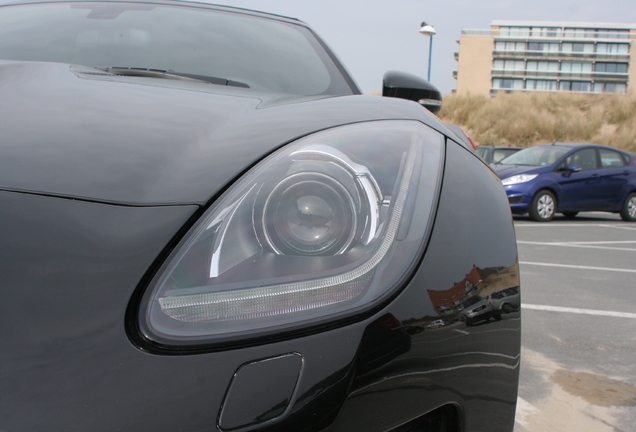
column 549, row 36
column 548, row 39
column 503, row 54
column 494, row 91
column 546, row 74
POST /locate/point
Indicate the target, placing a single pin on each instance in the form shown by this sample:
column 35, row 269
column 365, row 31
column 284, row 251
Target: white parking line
column 575, row 225
column 600, row 242
column 585, row 245
column 558, row 225
column 579, row 311
column 631, row 228
column 578, row 267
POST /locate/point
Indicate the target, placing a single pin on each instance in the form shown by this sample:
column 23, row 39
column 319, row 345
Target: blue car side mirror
column 572, row 169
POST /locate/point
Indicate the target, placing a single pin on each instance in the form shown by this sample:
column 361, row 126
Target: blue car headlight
column 521, row 178
column 325, row 228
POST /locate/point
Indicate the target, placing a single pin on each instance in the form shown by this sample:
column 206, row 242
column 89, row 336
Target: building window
column 612, row 48
column 543, row 47
column 546, row 31
column 611, row 67
column 512, row 84
column 576, row 67
column 510, row 46
column 510, row 64
column 541, row 85
column 600, row 87
column 578, row 47
column 542, row 66
column 514, row 31
column 581, row 86
column 577, row 86
column 574, row 33
column 614, row 34
column 615, row 88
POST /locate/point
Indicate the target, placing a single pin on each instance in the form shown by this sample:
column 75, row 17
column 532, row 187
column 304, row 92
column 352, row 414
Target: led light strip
column 289, row 298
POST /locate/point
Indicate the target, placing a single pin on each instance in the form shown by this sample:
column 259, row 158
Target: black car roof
column 166, row 2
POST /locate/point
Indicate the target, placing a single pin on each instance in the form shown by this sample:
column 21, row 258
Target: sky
column 372, row 37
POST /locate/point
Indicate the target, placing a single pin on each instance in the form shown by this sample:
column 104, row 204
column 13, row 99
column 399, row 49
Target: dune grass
column 524, row 119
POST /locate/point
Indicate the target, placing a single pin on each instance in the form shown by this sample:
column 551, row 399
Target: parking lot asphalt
column 578, row 367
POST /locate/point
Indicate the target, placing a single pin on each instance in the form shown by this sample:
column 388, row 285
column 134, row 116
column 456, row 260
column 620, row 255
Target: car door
column 614, row 176
column 580, row 190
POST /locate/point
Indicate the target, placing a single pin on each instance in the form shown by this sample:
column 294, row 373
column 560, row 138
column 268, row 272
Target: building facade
column 547, row 56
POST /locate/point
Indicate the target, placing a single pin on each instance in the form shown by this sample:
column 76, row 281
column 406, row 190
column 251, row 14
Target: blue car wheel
column 628, row 212
column 543, row 206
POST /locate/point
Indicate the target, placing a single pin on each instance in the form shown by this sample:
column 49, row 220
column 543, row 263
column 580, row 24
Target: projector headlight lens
column 325, row 228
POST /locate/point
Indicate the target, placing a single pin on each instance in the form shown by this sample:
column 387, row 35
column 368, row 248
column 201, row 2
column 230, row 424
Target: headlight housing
column 521, row 178
column 323, row 229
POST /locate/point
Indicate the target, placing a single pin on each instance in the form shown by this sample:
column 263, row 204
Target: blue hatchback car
column 569, row 178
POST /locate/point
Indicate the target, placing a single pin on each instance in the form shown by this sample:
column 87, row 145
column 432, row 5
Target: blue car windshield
column 262, row 53
column 536, row 156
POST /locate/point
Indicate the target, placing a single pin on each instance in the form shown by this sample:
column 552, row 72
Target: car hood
column 81, row 133
column 505, row 171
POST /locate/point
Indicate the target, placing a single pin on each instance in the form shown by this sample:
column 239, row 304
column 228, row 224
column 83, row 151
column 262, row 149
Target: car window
column 536, row 156
column 585, row 158
column 625, row 159
column 611, row 158
column 500, row 154
column 266, row 54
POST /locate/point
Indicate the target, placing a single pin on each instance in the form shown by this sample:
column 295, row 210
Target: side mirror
column 408, row 86
column 572, row 169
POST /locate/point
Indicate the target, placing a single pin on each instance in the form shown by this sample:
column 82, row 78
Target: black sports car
column 204, row 226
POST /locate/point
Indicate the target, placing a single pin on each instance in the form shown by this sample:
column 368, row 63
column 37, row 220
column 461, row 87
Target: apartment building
column 547, row 56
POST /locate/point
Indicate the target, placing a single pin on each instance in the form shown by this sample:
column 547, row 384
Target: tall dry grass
column 524, row 119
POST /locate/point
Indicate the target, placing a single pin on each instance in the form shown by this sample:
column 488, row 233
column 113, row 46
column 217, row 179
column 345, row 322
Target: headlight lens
column 325, row 228
column 521, row 178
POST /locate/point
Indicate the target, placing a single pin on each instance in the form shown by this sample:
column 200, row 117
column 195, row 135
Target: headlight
column 325, row 228
column 521, row 178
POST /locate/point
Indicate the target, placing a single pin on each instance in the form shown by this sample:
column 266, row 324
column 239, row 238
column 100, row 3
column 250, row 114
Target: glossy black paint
column 100, row 177
column 67, row 363
column 160, row 152
column 411, row 87
column 471, row 367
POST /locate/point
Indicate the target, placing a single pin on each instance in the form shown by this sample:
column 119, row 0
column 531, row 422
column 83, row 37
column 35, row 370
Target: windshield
column 265, row 54
column 536, row 156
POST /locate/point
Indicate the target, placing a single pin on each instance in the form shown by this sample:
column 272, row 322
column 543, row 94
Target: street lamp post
column 428, row 30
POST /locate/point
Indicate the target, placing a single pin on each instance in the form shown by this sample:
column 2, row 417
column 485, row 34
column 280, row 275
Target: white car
column 436, row 324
